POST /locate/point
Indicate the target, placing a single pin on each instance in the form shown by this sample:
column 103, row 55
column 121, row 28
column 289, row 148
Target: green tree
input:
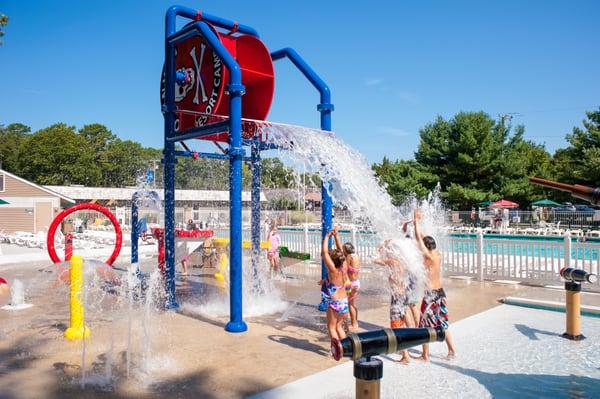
column 467, row 151
column 275, row 174
column 126, row 162
column 3, row 23
column 580, row 162
column 474, row 158
column 57, row 155
column 11, row 138
column 404, row 178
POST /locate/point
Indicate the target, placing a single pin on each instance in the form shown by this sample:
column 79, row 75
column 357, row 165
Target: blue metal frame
column 325, row 108
column 235, row 154
column 135, row 232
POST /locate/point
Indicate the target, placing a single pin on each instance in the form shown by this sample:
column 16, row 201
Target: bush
column 299, row 217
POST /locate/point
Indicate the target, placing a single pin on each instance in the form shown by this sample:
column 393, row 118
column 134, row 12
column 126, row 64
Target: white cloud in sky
column 393, row 131
column 373, row 82
column 408, row 97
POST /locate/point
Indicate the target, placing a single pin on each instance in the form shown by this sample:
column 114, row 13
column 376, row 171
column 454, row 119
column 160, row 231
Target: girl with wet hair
column 352, row 284
column 337, row 298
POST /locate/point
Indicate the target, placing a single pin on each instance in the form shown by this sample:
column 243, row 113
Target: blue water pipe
column 135, row 228
column 325, row 107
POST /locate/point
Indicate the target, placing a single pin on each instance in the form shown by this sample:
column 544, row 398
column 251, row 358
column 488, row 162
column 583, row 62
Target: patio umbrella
column 545, row 202
column 485, row 203
column 504, row 204
column 2, row 202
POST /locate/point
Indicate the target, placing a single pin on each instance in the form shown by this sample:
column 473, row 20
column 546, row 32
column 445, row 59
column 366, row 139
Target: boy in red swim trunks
column 434, row 310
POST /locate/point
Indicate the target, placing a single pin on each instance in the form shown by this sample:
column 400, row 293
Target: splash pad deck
column 506, row 351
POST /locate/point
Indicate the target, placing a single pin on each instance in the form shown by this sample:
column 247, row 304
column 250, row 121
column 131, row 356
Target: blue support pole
column 255, row 222
column 134, row 229
column 325, row 107
column 236, row 89
column 169, row 164
column 236, row 152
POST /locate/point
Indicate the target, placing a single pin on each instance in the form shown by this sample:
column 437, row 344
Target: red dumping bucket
column 205, row 89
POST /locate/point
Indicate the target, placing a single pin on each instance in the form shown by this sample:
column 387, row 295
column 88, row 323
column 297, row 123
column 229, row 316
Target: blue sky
column 393, row 66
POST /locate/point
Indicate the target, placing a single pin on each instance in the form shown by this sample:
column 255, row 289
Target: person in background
column 400, row 290
column 273, row 253
column 434, row 307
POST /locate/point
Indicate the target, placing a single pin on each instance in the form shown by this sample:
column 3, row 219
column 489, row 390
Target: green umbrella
column 2, row 202
column 545, row 202
column 486, row 203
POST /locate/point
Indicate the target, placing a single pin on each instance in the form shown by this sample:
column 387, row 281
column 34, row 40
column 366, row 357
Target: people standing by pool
column 273, row 253
column 352, row 265
column 434, row 307
column 337, row 297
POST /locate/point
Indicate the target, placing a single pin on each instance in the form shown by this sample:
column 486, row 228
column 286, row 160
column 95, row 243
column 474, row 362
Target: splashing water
column 355, row 186
column 259, row 295
column 17, row 297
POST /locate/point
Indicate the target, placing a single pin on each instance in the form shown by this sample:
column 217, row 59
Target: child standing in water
column 273, row 254
column 434, row 309
column 401, row 292
column 337, row 305
column 352, row 266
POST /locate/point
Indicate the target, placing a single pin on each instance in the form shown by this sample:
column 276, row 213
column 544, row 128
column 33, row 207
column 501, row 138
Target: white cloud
column 393, row 131
column 373, row 82
column 408, row 97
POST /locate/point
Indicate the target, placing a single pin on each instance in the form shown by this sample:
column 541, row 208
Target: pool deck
column 504, row 352
column 192, row 356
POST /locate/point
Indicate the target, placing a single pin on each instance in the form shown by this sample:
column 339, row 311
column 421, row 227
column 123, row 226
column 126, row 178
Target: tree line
column 94, row 156
column 471, row 155
column 477, row 158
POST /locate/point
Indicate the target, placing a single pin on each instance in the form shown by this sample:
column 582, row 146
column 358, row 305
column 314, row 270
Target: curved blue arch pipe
column 325, row 107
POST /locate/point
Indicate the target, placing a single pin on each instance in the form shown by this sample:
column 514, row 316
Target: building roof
column 125, row 194
column 42, row 188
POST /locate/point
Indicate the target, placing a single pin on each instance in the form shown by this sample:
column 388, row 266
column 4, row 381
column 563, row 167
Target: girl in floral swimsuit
column 337, row 309
column 352, row 283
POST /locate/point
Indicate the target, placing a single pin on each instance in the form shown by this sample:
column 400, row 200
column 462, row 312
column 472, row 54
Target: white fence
column 533, row 261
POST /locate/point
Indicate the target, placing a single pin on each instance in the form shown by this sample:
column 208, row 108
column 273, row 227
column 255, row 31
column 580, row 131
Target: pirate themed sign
column 203, row 92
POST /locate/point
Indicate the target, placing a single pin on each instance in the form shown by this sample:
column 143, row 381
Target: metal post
column 305, row 244
column 255, row 222
column 326, row 204
column 169, row 167
column 567, row 249
column 368, row 373
column 480, row 270
column 573, row 311
column 134, row 229
column 236, row 153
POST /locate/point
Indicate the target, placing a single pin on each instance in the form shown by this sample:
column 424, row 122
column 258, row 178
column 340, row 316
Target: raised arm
column 336, row 238
column 325, row 252
column 419, row 233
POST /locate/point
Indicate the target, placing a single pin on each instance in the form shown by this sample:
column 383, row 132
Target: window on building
column 1, row 182
column 196, row 212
